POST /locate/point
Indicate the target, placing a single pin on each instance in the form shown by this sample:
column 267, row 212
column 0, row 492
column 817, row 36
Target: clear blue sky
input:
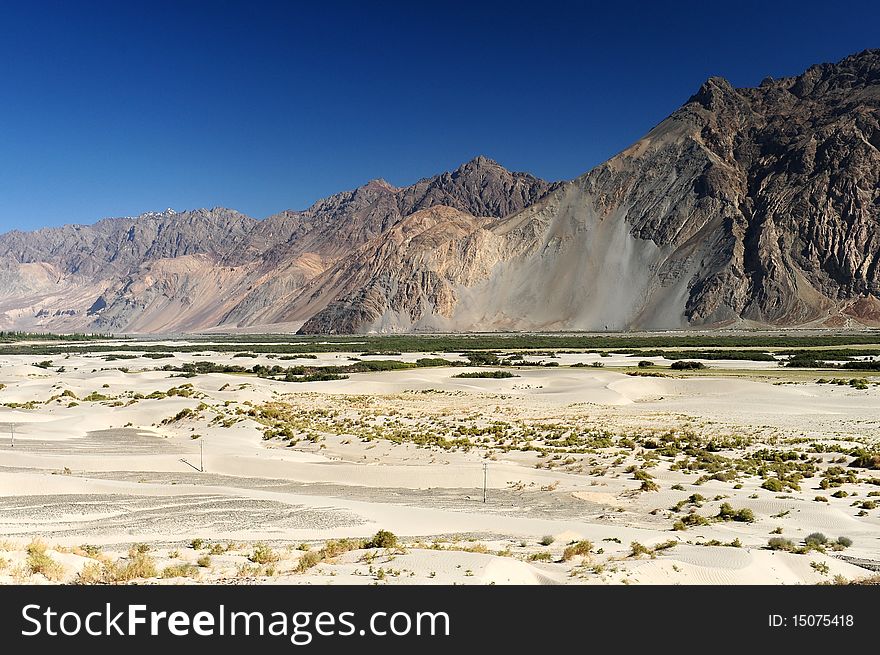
column 116, row 108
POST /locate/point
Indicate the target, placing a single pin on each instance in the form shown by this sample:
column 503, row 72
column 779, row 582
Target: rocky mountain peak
column 713, row 92
column 857, row 71
column 478, row 162
column 379, row 184
column 480, row 187
column 167, row 213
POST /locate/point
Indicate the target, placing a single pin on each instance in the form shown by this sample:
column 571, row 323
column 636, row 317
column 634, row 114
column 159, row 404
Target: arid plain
column 132, row 462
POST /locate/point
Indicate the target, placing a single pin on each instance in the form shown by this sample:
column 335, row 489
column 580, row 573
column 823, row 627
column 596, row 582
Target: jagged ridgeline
column 746, row 207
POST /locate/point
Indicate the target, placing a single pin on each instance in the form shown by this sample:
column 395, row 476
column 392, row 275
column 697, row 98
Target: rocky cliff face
column 746, row 206
column 404, row 279
column 757, row 206
column 798, row 159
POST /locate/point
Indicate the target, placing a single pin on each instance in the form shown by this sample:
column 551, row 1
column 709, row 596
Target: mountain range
column 746, row 207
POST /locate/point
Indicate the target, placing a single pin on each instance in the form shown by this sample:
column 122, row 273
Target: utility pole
column 201, row 467
column 485, row 478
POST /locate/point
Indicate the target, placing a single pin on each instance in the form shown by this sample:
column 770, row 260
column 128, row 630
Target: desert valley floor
column 599, row 470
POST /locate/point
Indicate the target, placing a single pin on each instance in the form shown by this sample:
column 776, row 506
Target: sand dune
column 103, row 465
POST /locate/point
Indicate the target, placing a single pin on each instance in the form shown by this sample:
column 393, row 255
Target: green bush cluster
column 727, row 513
column 487, row 374
column 687, row 365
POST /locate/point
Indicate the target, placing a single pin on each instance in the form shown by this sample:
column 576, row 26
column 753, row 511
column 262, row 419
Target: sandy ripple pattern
column 84, row 515
column 116, row 441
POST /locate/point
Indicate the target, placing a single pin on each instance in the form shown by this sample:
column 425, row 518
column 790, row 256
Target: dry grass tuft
column 39, row 562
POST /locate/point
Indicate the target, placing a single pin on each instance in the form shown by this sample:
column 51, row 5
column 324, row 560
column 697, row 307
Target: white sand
column 109, row 472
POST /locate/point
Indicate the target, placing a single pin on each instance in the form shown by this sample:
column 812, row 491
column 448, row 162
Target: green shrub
column 846, row 542
column 690, row 520
column 138, row 565
column 865, row 459
column 665, row 545
column 263, row 555
column 382, row 539
column 646, row 479
column 645, row 374
column 307, row 560
column 780, row 543
column 39, row 561
column 637, row 549
column 820, row 567
column 744, row 515
column 686, row 365
column 815, row 539
column 336, row 547
column 581, row 548
column 547, row 539
column 426, row 362
column 773, row 484
column 498, row 375
column 313, row 377
column 482, row 358
column 727, row 513
column 180, row 571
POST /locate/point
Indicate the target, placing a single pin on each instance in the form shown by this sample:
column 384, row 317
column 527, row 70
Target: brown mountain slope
column 755, row 206
column 404, row 278
column 197, row 270
column 333, row 228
